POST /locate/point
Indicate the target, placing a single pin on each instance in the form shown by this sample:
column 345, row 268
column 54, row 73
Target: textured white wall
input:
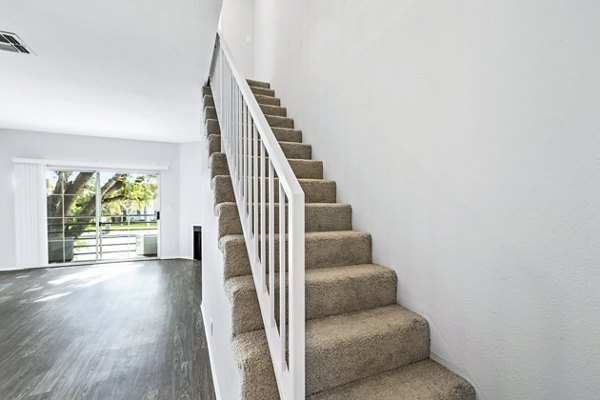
column 237, row 24
column 216, row 307
column 465, row 135
column 87, row 149
column 191, row 162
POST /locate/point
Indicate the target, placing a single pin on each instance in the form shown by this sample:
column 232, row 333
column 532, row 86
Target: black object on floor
column 197, row 242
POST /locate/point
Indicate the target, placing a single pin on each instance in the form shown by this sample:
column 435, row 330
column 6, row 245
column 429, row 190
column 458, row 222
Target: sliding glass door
column 96, row 216
column 71, row 205
column 128, row 215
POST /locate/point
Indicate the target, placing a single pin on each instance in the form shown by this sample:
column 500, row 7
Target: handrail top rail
column 286, row 175
column 249, row 143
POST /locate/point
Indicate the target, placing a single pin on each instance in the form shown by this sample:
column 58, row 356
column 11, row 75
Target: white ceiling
column 130, row 69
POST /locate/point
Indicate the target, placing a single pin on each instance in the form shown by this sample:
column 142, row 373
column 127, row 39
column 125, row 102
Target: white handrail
column 255, row 160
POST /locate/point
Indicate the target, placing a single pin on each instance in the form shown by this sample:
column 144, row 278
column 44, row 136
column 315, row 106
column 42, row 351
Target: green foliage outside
column 74, row 193
column 132, row 197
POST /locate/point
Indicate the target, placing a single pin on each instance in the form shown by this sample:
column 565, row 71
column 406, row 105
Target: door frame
column 50, row 165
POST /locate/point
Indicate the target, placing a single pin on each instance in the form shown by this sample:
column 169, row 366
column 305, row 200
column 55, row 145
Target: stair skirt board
column 360, row 344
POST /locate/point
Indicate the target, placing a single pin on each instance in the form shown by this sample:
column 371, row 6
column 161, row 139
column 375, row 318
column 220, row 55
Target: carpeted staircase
column 360, row 344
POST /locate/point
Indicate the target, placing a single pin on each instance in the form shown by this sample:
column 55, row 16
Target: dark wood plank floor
column 114, row 331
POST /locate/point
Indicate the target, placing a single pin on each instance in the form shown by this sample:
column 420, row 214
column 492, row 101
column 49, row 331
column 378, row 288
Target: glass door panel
column 129, row 226
column 101, row 216
column 71, row 208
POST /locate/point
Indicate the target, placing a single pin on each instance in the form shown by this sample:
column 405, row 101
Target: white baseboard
column 452, row 367
column 211, row 356
column 8, row 269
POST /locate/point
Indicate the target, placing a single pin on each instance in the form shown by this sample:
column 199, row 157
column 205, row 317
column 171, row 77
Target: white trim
column 84, row 264
column 211, row 355
column 94, row 165
column 159, row 251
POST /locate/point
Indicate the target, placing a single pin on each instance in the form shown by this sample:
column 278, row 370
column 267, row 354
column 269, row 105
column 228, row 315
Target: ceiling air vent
column 11, row 42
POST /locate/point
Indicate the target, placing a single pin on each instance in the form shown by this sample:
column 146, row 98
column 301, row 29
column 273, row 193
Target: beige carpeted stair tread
column 329, row 291
column 262, row 91
column 292, row 150
column 208, row 101
column 218, row 164
column 425, row 380
column 255, row 83
column 212, row 124
column 267, row 100
column 280, row 122
column 323, row 250
column 287, row 135
column 315, row 190
column 361, row 344
column 303, row 169
column 318, row 217
column 212, row 127
column 297, row 151
column 210, row 111
column 343, row 348
column 281, row 134
column 273, row 110
column 214, row 144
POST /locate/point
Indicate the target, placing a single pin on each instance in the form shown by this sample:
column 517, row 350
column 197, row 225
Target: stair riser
column 316, row 191
column 280, row 122
column 268, row 101
column 369, row 356
column 212, row 127
column 262, row 91
column 256, row 378
column 296, row 151
column 282, row 134
column 274, row 121
column 208, row 101
column 274, row 110
column 218, row 164
column 425, row 380
column 319, row 254
column 323, row 298
column 303, row 169
column 210, row 113
column 287, row 135
column 317, row 218
column 214, row 144
column 253, row 83
column 307, row 169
